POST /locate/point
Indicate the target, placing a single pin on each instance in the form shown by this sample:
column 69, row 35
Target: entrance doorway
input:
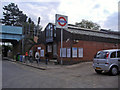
column 52, row 51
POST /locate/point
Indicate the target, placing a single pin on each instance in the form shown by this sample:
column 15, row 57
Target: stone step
column 53, row 60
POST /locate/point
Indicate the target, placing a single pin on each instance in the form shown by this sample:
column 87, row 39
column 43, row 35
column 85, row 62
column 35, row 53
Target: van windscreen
column 101, row 55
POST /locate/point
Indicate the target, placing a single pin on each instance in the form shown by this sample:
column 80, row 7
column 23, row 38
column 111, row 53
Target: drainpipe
column 71, row 45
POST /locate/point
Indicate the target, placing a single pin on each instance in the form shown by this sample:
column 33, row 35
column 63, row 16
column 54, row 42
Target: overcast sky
column 102, row 12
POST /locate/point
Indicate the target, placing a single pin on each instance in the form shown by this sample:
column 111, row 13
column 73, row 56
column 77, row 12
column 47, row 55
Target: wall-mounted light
column 67, row 39
column 75, row 41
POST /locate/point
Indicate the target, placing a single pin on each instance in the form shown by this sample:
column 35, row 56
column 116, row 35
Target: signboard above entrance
column 61, row 21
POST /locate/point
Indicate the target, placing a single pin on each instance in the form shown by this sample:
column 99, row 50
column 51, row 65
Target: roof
column 90, row 33
column 82, row 31
column 11, row 33
column 100, row 33
column 11, row 29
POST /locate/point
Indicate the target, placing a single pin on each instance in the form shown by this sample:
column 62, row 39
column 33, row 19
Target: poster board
column 74, row 52
column 63, row 52
column 68, row 52
column 80, row 50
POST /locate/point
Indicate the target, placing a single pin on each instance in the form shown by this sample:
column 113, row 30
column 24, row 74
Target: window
column 54, row 34
column 54, row 31
column 113, row 55
column 55, row 49
column 49, row 47
column 46, row 32
column 54, row 27
column 49, row 26
column 118, row 54
column 51, row 32
column 101, row 55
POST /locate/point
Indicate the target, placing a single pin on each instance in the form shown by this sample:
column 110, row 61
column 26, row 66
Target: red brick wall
column 90, row 48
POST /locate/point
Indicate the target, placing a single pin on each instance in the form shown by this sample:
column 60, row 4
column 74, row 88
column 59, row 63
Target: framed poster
column 63, row 52
column 42, row 53
column 74, row 52
column 80, row 50
column 68, row 52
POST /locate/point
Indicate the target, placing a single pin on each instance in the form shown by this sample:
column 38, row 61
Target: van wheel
column 113, row 71
column 98, row 71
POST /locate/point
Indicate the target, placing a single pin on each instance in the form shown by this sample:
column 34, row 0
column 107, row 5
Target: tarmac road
column 74, row 76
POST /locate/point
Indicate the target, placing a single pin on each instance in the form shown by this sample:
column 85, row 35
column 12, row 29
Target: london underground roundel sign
column 61, row 21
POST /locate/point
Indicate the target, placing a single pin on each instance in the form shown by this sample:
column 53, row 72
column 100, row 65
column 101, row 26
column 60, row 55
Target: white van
column 108, row 61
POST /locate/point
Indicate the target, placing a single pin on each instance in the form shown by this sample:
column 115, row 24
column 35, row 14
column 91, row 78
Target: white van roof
column 109, row 50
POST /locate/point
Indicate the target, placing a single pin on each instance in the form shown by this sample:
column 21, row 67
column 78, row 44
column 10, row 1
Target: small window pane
column 46, row 33
column 54, row 27
column 49, row 47
column 49, row 26
column 118, row 54
column 113, row 55
column 54, row 34
column 51, row 32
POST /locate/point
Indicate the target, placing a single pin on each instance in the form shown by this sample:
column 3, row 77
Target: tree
column 29, row 20
column 13, row 16
column 88, row 24
column 38, row 20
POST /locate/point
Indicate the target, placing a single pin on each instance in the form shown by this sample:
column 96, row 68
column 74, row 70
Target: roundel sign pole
column 62, row 23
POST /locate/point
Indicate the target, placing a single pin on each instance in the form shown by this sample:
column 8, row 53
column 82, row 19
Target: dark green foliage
column 88, row 24
column 13, row 16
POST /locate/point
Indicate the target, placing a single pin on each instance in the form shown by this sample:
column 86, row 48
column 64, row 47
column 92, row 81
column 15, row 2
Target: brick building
column 78, row 44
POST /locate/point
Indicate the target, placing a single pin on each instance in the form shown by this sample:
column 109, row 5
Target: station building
column 78, row 44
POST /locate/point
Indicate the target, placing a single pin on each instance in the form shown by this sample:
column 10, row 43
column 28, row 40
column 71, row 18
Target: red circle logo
column 62, row 21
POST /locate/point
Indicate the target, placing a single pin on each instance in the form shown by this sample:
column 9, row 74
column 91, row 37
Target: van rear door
column 101, row 57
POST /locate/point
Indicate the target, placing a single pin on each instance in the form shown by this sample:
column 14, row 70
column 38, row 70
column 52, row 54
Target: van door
column 113, row 58
column 100, row 58
column 118, row 57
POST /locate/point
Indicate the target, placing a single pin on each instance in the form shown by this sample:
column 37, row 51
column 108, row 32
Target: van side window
column 113, row 55
column 118, row 54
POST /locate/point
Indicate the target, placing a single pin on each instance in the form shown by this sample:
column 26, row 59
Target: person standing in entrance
column 47, row 57
column 37, row 57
